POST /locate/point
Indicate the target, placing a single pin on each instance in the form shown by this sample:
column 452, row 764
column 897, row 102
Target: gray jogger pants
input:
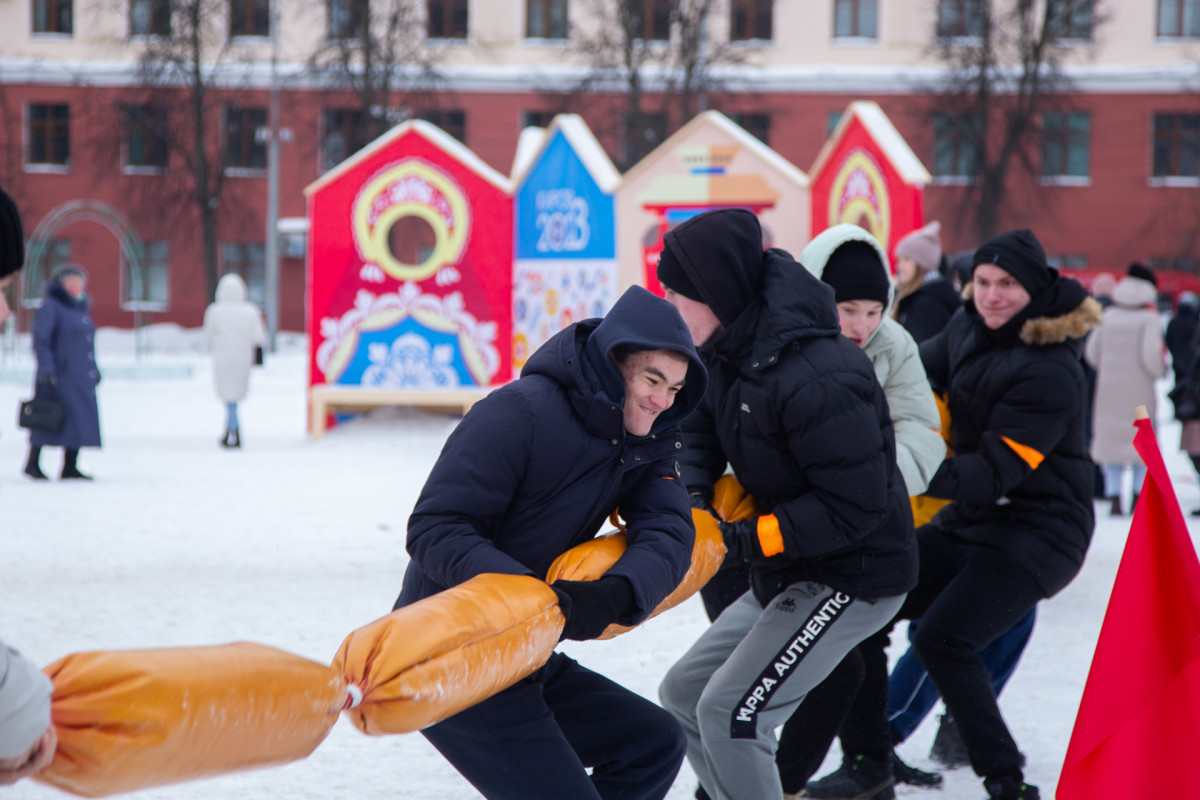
column 749, row 671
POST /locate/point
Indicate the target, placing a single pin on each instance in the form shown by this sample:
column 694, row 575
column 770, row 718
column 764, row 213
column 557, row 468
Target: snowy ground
column 294, row 544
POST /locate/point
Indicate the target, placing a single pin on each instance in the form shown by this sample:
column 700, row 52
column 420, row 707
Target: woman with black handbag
column 64, row 343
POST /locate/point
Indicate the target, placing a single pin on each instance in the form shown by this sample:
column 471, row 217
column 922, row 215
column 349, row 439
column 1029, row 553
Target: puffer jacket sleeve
column 1152, row 359
column 660, row 538
column 45, row 327
column 834, row 434
column 470, row 489
column 702, row 460
column 1026, row 423
column 935, row 357
column 920, row 448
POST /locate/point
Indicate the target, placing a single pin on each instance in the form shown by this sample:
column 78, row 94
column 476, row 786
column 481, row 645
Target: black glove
column 741, row 540
column 591, row 606
column 703, row 502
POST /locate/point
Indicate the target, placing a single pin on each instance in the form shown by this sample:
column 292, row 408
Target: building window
column 1179, row 18
column 750, row 19
column 855, row 19
column 150, row 18
column 960, row 18
column 536, row 119
column 447, row 19
column 244, row 148
column 954, row 142
column 52, row 16
column 831, row 122
column 546, row 19
column 149, row 290
column 757, row 125
column 1176, row 145
column 1067, row 261
column 650, row 19
column 345, row 133
column 651, row 133
column 347, row 18
column 56, row 254
column 49, row 134
column 249, row 18
column 1177, row 263
column 249, row 261
column 1066, row 145
column 453, row 122
column 1071, row 19
column 144, row 134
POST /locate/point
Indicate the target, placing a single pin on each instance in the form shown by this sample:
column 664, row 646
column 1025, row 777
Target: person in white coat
column 234, row 327
column 1126, row 351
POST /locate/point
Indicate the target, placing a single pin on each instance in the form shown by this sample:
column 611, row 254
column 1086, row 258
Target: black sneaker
column 1009, row 788
column 948, row 748
column 858, row 778
column 914, row 777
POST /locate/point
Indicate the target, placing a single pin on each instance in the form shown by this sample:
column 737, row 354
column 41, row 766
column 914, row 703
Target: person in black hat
column 1021, row 482
column 797, row 412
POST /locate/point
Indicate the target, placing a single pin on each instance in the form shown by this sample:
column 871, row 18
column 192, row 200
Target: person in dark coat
column 1021, row 482
column 64, row 343
column 796, row 410
column 1181, row 332
column 925, row 296
column 534, row 469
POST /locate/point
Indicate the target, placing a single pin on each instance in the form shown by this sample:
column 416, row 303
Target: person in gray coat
column 64, row 343
column 27, row 737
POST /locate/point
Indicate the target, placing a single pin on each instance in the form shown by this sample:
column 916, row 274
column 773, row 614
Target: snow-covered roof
column 743, row 137
column 433, row 133
column 582, row 141
column 893, row 145
column 529, row 144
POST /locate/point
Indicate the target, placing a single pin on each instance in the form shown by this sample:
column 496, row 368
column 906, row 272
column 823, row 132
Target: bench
column 329, row 399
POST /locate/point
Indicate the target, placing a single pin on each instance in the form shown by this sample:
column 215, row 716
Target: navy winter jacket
column 63, row 341
column 537, row 466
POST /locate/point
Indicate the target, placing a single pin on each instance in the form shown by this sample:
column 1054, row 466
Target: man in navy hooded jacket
column 533, row 470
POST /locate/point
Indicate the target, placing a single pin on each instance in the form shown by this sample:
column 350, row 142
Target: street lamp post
column 271, row 268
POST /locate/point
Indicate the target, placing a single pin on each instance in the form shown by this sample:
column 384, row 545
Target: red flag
column 1138, row 726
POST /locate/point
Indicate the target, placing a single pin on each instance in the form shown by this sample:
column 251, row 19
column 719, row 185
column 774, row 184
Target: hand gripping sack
column 135, row 719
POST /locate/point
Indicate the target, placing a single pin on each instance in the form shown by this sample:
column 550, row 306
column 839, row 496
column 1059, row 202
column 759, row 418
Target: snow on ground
column 295, row 543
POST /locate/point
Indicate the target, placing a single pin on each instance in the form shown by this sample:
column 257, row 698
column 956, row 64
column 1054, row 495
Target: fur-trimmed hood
column 1051, row 328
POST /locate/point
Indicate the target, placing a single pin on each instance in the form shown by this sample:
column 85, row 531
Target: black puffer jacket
column 1021, row 476
column 927, row 310
column 796, row 410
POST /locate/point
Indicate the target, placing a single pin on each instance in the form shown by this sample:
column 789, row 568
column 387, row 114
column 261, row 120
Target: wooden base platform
column 331, row 398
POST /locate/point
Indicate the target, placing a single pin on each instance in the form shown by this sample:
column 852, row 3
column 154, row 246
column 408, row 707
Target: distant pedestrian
column 1127, row 353
column 234, row 327
column 1181, row 331
column 64, row 343
column 925, row 296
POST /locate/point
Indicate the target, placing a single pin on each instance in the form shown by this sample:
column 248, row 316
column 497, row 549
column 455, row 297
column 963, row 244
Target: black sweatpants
column 536, row 739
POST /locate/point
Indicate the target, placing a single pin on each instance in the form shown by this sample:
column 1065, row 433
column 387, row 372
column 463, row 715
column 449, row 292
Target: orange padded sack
column 134, row 719
column 590, row 560
column 430, row 660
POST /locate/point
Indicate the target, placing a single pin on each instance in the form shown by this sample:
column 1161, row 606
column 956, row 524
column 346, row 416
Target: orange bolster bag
column 430, row 660
column 133, row 719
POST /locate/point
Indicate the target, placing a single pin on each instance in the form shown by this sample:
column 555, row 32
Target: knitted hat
column 1020, row 254
column 923, row 246
column 721, row 254
column 12, row 238
column 67, row 270
column 1142, row 272
column 856, row 273
column 671, row 276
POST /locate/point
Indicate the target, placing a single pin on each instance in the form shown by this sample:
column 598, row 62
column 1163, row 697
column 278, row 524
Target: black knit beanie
column 721, row 254
column 671, row 276
column 856, row 273
column 1142, row 272
column 1020, row 254
column 12, row 238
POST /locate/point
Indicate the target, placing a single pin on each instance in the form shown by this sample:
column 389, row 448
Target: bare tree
column 1004, row 70
column 660, row 56
column 378, row 51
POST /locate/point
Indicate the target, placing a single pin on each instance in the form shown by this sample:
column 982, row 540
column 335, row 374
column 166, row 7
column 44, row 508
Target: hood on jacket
column 231, row 288
column 817, row 252
column 721, row 253
column 1131, row 292
column 1064, row 311
column 24, row 703
column 581, row 356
